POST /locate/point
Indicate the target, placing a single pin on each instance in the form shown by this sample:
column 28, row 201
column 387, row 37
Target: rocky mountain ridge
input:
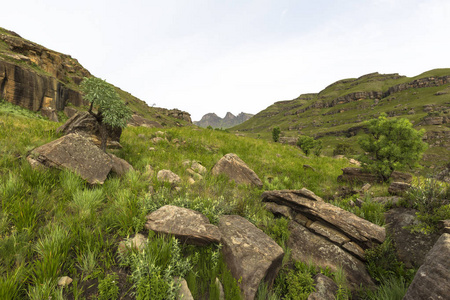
column 41, row 79
column 228, row 121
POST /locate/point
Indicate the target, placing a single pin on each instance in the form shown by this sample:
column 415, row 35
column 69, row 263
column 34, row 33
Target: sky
column 211, row 56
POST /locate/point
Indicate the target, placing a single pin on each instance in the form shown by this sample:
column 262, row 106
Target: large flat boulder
column 236, row 169
column 189, row 226
column 359, row 230
column 307, row 246
column 250, row 254
column 76, row 153
column 432, row 280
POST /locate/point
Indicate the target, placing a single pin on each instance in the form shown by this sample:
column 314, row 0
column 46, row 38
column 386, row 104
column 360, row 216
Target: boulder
column 397, row 176
column 398, row 188
column 86, row 125
column 326, row 288
column 189, row 226
column 76, row 153
column 280, row 210
column 236, row 169
column 120, row 166
column 357, row 175
column 250, row 254
column 432, row 280
column 184, row 293
column 50, row 113
column 64, row 281
column 169, row 177
column 313, row 207
column 70, row 111
column 138, row 242
column 137, row 120
column 307, row 246
column 411, row 247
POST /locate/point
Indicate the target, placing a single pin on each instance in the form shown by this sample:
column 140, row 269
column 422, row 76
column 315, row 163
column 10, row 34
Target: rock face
column 236, row 169
column 326, row 234
column 86, row 125
column 76, row 153
column 432, row 280
column 398, row 188
column 411, row 247
column 250, row 254
column 137, row 120
column 357, row 175
column 228, row 121
column 187, row 225
column 326, row 288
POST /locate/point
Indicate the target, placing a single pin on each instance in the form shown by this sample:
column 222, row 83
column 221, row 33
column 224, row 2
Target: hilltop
column 228, row 121
column 337, row 113
column 44, row 80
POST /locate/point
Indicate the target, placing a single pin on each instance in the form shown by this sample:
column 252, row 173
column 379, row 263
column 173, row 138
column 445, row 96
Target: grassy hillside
column 329, row 116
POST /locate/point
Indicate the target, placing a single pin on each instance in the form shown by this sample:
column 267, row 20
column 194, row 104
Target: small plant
column 308, row 144
column 108, row 288
column 276, row 134
column 343, row 149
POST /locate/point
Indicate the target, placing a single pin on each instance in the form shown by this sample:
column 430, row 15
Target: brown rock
column 397, row 176
column 76, row 153
column 137, row 120
column 357, row 229
column 120, row 166
column 70, row 111
column 184, row 293
column 50, row 113
column 249, row 253
column 398, row 188
column 138, row 242
column 326, row 288
column 236, row 169
column 169, row 177
column 280, row 210
column 357, row 175
column 307, row 247
column 189, row 226
column 432, row 280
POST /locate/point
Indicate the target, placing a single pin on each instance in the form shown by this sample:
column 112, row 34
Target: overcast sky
column 219, row 56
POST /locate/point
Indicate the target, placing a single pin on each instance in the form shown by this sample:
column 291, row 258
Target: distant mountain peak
column 230, row 120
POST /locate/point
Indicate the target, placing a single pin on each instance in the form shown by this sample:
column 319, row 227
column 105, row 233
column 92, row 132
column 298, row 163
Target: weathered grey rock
column 394, row 200
column 411, row 247
column 194, row 174
column 76, row 153
column 432, row 280
column 307, row 246
column 397, row 176
column 86, row 125
column 70, row 111
column 50, row 113
column 138, row 242
column 236, row 169
column 196, row 166
column 280, row 210
column 357, row 175
column 326, row 288
column 168, row 176
column 357, row 229
column 249, row 253
column 186, row 224
column 398, row 188
column 184, row 293
column 137, row 120
column 120, row 166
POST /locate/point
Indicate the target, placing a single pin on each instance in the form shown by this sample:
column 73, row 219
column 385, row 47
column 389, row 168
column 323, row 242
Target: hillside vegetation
column 337, row 113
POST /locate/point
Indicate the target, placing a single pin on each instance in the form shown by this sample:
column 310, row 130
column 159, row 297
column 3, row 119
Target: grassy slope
column 44, row 209
column 317, row 121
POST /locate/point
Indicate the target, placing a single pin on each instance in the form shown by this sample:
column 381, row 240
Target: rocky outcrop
column 411, row 247
column 236, row 169
column 326, row 234
column 249, row 253
column 34, row 91
column 228, row 121
column 76, row 153
column 189, row 226
column 432, row 280
column 398, row 188
column 86, row 125
column 357, row 175
column 137, row 120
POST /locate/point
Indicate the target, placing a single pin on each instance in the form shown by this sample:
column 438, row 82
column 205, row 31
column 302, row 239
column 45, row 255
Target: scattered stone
column 250, row 254
column 236, row 169
column 432, row 280
column 326, row 288
column 365, row 188
column 354, row 162
column 196, row 166
column 189, row 226
column 64, row 281
column 191, row 181
column 308, row 167
column 157, row 140
column 138, row 242
column 151, row 149
column 169, row 177
column 50, row 113
column 194, row 174
column 184, row 292
column 76, row 153
column 411, row 247
column 120, row 166
column 398, row 188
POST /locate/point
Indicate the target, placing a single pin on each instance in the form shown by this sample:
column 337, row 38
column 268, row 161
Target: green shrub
column 108, row 288
column 344, row 149
column 276, row 134
column 306, row 143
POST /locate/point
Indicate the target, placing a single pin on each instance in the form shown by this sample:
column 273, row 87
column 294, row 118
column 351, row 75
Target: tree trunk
column 104, row 136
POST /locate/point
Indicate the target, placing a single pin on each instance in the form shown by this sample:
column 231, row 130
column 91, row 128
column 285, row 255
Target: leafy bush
column 276, row 134
column 343, row 149
column 391, row 144
column 308, row 144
